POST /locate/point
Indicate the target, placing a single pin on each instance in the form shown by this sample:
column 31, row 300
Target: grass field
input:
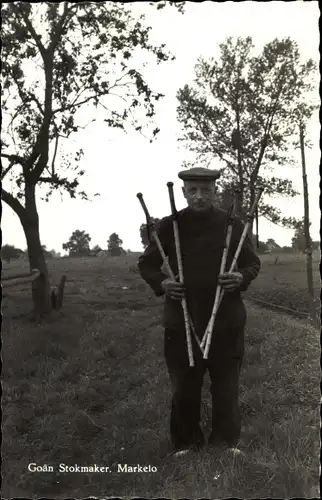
column 89, row 386
column 284, row 282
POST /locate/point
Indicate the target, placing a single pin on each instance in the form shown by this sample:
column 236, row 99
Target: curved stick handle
column 171, row 196
column 150, row 224
column 187, row 317
column 145, row 209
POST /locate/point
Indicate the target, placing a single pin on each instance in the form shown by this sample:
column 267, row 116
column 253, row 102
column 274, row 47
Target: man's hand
column 230, row 281
column 173, row 289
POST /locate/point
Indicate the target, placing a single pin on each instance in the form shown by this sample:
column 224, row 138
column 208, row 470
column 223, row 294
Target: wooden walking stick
column 154, row 234
column 180, row 269
column 250, row 216
column 227, row 235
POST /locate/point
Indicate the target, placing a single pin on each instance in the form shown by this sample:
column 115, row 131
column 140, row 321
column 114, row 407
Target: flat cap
column 199, row 174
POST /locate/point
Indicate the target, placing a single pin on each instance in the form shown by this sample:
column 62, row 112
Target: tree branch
column 6, row 170
column 267, row 217
column 58, row 30
column 268, row 126
column 41, row 146
column 18, row 87
column 14, row 158
column 98, row 94
column 18, row 112
column 34, row 34
column 74, row 105
column 54, row 157
column 35, row 99
column 13, row 203
column 40, row 149
column 212, row 146
column 239, row 155
column 53, row 179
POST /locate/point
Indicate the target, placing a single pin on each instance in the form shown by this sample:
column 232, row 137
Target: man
column 201, row 229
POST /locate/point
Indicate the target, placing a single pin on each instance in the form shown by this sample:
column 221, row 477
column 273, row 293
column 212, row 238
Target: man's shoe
column 236, row 452
column 225, row 446
column 181, row 453
column 184, row 450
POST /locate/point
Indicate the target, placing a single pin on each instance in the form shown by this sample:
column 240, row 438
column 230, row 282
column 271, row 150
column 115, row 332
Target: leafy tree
column 299, row 240
column 145, row 234
column 57, row 59
column 225, row 195
column 272, row 242
column 241, row 110
column 78, row 244
column 10, row 252
column 315, row 245
column 272, row 246
column 46, row 252
column 114, row 245
column 55, row 254
column 96, row 249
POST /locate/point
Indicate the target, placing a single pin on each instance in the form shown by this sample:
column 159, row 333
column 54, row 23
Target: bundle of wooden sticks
column 205, row 343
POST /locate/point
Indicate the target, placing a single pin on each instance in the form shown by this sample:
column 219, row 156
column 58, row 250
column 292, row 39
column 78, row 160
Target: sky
column 119, row 165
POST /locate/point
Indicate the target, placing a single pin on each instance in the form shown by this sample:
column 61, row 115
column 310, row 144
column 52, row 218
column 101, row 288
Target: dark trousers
column 224, row 364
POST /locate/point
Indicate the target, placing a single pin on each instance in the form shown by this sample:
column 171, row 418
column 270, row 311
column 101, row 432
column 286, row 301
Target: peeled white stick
column 172, row 276
column 222, row 292
column 180, row 269
column 217, row 296
column 208, row 333
column 154, row 235
column 170, row 272
column 184, row 302
column 228, row 233
column 250, row 216
column 234, row 262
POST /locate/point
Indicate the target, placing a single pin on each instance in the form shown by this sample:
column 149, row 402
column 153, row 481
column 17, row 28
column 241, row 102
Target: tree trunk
column 239, row 201
column 236, row 142
column 251, row 225
column 30, row 224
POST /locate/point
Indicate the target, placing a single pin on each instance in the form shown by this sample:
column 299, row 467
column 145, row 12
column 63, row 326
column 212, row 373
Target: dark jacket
column 202, row 243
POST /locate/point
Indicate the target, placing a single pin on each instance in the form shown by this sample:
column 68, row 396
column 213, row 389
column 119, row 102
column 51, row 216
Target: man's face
column 199, row 194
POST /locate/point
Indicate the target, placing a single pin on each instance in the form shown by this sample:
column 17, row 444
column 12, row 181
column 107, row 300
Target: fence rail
column 20, row 279
column 291, row 312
